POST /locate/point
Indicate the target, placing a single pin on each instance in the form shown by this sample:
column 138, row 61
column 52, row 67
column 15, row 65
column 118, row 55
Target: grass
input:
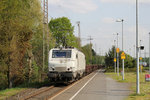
column 9, row 92
column 13, row 91
column 130, row 78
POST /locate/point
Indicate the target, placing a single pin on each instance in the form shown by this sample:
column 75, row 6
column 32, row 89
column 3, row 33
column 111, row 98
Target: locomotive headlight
column 69, row 69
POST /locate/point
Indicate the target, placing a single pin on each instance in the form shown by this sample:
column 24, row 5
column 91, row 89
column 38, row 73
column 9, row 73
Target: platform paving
column 96, row 86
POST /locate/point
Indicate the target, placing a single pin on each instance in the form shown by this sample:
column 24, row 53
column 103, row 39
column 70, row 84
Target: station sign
column 115, row 60
column 117, row 50
column 141, row 58
column 147, row 77
column 123, row 56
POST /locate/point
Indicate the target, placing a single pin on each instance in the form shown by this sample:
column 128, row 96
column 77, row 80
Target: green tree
column 109, row 57
column 91, row 56
column 62, row 31
column 19, row 21
column 100, row 60
column 88, row 54
column 129, row 62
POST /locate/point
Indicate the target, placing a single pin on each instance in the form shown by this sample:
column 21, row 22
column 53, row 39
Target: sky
column 98, row 20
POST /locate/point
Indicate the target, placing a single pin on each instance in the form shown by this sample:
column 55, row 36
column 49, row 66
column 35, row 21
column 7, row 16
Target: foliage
column 129, row 62
column 98, row 60
column 91, row 56
column 62, row 30
column 87, row 51
column 21, row 42
column 109, row 57
column 19, row 21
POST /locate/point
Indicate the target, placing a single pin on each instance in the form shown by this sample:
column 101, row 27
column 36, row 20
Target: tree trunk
column 30, row 54
column 8, row 74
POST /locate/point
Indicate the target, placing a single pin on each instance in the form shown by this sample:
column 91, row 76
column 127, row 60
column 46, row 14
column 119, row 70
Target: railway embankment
column 17, row 92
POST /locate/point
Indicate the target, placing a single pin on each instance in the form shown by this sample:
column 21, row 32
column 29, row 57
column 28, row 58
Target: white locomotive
column 65, row 64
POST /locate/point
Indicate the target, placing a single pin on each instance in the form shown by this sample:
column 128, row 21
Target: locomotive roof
column 65, row 48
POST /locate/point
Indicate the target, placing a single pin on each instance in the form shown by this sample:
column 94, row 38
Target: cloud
column 125, row 1
column 79, row 6
column 108, row 20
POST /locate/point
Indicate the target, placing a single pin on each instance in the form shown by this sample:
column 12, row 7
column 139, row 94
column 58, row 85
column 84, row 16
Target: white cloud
column 79, row 6
column 125, row 1
column 108, row 20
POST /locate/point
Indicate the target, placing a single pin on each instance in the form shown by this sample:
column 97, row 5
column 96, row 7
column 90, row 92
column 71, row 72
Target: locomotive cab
column 65, row 64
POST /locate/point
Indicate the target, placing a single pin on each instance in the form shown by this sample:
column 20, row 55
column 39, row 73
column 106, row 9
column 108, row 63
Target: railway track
column 48, row 93
column 45, row 95
column 36, row 93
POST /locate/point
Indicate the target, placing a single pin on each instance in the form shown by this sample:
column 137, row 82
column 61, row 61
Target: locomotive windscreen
column 61, row 54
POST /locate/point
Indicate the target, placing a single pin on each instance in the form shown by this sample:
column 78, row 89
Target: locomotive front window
column 61, row 54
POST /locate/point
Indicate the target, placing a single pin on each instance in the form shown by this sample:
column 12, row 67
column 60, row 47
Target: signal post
column 123, row 57
column 117, row 50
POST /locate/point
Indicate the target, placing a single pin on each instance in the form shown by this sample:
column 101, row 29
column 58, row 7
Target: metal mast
column 45, row 29
column 79, row 34
column 137, row 52
column 117, row 57
column 91, row 47
column 121, row 20
column 122, row 51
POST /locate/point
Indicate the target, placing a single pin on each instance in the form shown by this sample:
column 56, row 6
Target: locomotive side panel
column 81, row 63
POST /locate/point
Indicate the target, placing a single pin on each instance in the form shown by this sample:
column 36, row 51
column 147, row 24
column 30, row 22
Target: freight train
column 67, row 64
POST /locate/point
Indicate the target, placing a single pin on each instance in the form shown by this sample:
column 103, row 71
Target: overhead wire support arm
column 91, row 46
column 90, row 39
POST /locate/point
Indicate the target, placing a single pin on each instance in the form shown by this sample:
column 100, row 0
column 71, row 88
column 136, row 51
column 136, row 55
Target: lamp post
column 117, row 57
column 121, row 20
column 137, row 52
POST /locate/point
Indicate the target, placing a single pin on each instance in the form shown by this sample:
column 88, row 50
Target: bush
column 3, row 81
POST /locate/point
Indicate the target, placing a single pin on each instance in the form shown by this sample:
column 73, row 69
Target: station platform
column 96, row 86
